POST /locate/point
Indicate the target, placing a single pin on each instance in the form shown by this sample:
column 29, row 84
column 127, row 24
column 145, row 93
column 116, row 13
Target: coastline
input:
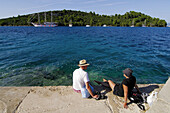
column 50, row 99
column 68, row 26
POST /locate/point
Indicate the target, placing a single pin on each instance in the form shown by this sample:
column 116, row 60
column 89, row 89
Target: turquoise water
column 32, row 56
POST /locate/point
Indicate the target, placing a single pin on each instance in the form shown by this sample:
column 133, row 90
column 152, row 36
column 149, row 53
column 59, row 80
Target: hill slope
column 79, row 18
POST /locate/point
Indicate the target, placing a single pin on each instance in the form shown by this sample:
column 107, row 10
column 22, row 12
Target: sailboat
column 132, row 24
column 45, row 24
column 70, row 23
column 144, row 25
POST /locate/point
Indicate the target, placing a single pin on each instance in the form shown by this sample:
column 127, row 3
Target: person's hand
column 125, row 105
column 95, row 96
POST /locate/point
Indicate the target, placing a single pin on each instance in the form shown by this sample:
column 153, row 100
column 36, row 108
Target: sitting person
column 81, row 81
column 125, row 88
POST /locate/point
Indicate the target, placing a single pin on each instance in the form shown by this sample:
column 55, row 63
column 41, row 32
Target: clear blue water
column 32, row 56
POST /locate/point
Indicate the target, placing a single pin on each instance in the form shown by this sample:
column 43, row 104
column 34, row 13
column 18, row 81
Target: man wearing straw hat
column 81, row 81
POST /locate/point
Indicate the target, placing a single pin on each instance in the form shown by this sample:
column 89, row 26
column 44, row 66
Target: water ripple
column 48, row 56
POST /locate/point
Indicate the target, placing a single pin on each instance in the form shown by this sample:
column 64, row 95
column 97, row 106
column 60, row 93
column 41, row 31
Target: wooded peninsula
column 79, row 18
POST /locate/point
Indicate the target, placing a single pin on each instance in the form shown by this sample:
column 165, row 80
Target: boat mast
column 51, row 17
column 133, row 22
column 45, row 17
column 145, row 22
column 38, row 18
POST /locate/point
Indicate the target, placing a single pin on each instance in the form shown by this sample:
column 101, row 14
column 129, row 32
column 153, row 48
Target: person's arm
column 90, row 91
column 125, row 88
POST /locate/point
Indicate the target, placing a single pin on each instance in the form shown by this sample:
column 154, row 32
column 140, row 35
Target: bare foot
column 104, row 80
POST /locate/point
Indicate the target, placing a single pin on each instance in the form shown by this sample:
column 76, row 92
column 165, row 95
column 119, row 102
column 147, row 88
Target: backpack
column 100, row 96
column 139, row 99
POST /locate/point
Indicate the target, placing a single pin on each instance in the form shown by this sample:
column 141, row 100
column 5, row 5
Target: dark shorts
column 118, row 90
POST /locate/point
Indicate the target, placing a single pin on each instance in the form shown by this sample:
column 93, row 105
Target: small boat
column 87, row 25
column 70, row 24
column 104, row 25
column 143, row 25
column 133, row 25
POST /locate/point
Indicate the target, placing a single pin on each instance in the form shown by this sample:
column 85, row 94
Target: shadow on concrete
column 102, row 89
column 148, row 89
column 116, row 99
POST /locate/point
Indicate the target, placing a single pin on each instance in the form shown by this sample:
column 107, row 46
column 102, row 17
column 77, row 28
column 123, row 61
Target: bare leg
column 104, row 80
column 106, row 84
column 111, row 84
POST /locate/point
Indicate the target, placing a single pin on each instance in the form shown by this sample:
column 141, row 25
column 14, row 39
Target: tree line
column 79, row 18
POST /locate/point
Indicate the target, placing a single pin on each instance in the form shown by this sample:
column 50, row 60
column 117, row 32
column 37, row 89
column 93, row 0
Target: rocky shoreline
column 62, row 99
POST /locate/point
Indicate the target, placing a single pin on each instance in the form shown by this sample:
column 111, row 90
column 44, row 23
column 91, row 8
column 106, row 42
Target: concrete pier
column 62, row 99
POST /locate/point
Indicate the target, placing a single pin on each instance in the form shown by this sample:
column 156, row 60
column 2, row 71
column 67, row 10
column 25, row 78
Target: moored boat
column 50, row 24
column 45, row 24
column 70, row 25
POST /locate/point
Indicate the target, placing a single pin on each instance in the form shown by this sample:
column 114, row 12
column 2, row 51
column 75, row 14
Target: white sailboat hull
column 44, row 25
column 70, row 25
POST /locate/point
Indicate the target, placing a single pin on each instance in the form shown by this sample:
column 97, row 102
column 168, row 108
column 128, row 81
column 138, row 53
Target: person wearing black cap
column 123, row 89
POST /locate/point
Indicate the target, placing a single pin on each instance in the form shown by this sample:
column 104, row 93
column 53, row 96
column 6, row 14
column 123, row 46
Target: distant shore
column 80, row 18
column 68, row 26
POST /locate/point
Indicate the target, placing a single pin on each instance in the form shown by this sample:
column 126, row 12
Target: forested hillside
column 79, row 18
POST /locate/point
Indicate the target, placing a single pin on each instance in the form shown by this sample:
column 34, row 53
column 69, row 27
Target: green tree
column 62, row 17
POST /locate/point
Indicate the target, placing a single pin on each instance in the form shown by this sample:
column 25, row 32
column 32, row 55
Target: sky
column 154, row 8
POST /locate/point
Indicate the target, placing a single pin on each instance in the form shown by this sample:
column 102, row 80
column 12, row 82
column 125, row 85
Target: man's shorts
column 85, row 93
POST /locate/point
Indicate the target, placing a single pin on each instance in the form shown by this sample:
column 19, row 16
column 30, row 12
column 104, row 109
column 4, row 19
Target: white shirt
column 80, row 77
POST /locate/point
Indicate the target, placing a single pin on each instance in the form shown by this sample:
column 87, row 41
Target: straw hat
column 83, row 63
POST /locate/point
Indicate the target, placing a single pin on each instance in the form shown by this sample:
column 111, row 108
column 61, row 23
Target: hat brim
column 83, row 64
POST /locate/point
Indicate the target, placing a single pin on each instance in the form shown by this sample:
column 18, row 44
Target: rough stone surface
column 10, row 98
column 3, row 107
column 165, row 92
column 62, row 99
column 162, row 104
column 116, row 102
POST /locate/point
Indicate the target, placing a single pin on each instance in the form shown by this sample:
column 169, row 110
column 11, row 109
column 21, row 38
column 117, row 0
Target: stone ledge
column 162, row 104
column 50, row 99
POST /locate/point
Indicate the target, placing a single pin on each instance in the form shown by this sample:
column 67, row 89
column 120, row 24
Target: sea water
column 32, row 56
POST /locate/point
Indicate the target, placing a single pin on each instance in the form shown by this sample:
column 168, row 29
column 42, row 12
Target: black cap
column 128, row 72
